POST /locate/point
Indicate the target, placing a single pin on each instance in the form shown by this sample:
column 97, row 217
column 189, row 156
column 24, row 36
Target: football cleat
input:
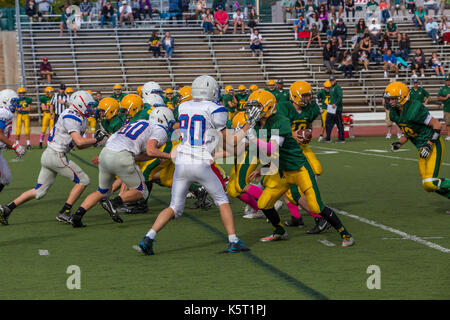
column 238, row 246
column 108, row 206
column 146, row 246
column 4, row 214
column 347, row 241
column 275, row 237
column 294, row 222
column 76, row 221
column 63, row 217
column 321, row 225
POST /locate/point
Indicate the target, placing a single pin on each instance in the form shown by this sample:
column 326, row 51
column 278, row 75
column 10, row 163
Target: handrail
column 74, row 61
column 124, row 77
column 19, row 37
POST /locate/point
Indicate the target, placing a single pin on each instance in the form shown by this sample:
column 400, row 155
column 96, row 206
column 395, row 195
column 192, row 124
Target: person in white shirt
column 67, row 132
column 238, row 18
column 138, row 141
column 374, row 31
column 126, row 13
column 256, row 43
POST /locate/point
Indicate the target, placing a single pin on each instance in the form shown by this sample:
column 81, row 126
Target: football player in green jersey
column 118, row 94
column 241, row 97
column 23, row 116
column 423, row 131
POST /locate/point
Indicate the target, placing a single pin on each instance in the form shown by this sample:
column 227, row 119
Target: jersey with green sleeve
column 25, row 103
column 300, row 119
column 324, row 98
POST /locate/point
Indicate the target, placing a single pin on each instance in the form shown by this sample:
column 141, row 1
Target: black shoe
column 321, row 225
column 4, row 214
column 138, row 208
column 294, row 222
column 76, row 222
column 108, row 206
column 28, row 147
column 63, row 217
column 40, row 145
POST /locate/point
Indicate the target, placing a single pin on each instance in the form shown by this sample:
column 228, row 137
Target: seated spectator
column 310, row 8
column 252, row 19
column 68, row 20
column 418, row 63
column 314, row 20
column 411, row 6
column 392, row 30
column 431, row 4
column 300, row 8
column 390, row 63
column 256, row 43
column 329, row 57
column 125, row 13
column 45, row 69
column 44, row 7
column 436, row 65
column 185, row 10
column 444, row 28
column 287, row 6
column 108, row 14
column 350, row 7
column 86, row 10
column 347, row 65
column 208, row 21
column 221, row 19
column 399, row 4
column 155, row 44
column 99, row 6
column 323, row 3
column 363, row 59
column 145, row 8
column 366, row 45
column 432, row 29
column 374, row 31
column 331, row 25
column 323, row 17
column 175, row 9
column 404, row 47
column 335, row 45
column 299, row 25
column 336, row 6
column 135, row 10
column 372, row 9
column 31, row 9
column 419, row 18
column 385, row 44
column 314, row 34
column 238, row 19
column 384, row 11
column 340, row 31
column 360, row 31
column 200, row 6
column 168, row 43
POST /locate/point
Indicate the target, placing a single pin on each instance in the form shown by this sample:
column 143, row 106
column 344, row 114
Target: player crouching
column 138, row 141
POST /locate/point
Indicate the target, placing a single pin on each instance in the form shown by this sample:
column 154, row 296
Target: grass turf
column 190, row 260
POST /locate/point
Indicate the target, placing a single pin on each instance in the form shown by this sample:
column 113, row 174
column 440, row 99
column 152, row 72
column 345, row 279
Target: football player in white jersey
column 67, row 132
column 201, row 121
column 8, row 103
column 137, row 141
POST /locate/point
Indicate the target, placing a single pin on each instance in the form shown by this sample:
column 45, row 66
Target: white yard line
column 408, row 239
column 327, row 243
column 398, row 232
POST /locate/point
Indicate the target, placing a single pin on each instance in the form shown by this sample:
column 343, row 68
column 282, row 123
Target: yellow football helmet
column 90, row 92
column 49, row 91
column 229, row 89
column 298, row 91
column 327, row 84
column 168, row 91
column 397, row 90
column 139, row 91
column 69, row 91
column 253, row 87
column 117, row 87
column 242, row 88
column 185, row 94
column 108, row 108
column 264, row 100
column 271, row 83
column 133, row 103
column 21, row 90
column 239, row 120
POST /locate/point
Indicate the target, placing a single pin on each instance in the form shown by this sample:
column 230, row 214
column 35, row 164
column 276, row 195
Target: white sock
column 233, row 238
column 28, row 142
column 151, row 234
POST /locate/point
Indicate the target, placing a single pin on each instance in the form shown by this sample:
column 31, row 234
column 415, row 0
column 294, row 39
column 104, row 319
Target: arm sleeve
column 160, row 135
column 220, row 117
column 72, row 123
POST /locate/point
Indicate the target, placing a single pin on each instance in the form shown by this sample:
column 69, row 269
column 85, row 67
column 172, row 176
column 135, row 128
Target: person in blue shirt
column 390, row 63
column 299, row 25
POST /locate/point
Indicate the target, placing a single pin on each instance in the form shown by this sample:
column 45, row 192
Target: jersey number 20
column 192, row 128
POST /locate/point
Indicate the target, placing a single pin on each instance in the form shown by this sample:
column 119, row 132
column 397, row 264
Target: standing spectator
column 329, row 57
column 300, row 8
column 372, row 8
column 31, row 10
column 256, row 43
column 46, row 71
column 336, row 6
column 323, row 17
column 59, row 102
column 431, row 4
column 390, row 63
column 418, row 63
column 444, row 97
column 392, row 30
column 44, row 7
column 287, row 7
column 221, row 18
column 334, row 111
column 238, row 19
column 252, row 19
column 374, row 31
column 155, row 44
column 404, row 46
column 347, row 64
column 125, row 13
column 108, row 14
column 419, row 93
column 145, row 8
column 168, row 43
column 360, row 31
column 432, row 29
column 208, row 20
column 436, row 65
column 384, row 11
column 314, row 34
column 419, row 18
column 86, row 10
column 299, row 25
column 340, row 31
column 444, row 28
column 350, row 7
column 310, row 8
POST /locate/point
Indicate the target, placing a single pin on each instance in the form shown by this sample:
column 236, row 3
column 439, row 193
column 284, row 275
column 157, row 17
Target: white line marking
column 327, row 243
column 43, row 252
column 400, row 233
column 135, row 247
column 408, row 239
column 375, row 155
column 326, row 152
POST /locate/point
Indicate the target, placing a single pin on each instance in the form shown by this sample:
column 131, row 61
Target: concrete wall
column 9, row 58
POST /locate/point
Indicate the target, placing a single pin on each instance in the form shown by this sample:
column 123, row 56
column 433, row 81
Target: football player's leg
column 45, row 124
column 5, row 173
column 18, row 126
column 26, row 122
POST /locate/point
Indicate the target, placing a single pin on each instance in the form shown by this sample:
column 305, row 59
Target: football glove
column 100, row 134
column 425, row 151
column 251, row 134
column 395, row 146
column 20, row 151
column 253, row 116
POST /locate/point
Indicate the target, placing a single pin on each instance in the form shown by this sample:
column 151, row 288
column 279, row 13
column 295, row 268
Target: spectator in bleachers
column 392, row 30
column 200, row 6
column 185, row 10
column 287, row 6
column 252, row 19
column 175, row 10
column 108, row 14
column 256, row 43
column 331, row 25
column 135, row 10
column 398, row 5
column 360, row 31
column 444, row 28
column 86, row 10
column 329, row 57
column 299, row 25
column 44, row 8
column 436, row 65
column 411, row 6
column 31, row 10
column 145, row 8
column 323, row 17
column 46, row 71
column 221, row 19
column 336, row 6
column 374, row 31
column 350, row 7
column 208, row 20
column 310, row 8
column 335, row 44
column 366, row 45
column 372, row 10
column 125, row 13
column 314, row 34
column 431, row 4
column 347, row 64
column 443, row 5
column 419, row 18
column 385, row 44
column 299, row 8
column 404, row 47
column 99, row 7
column 418, row 63
column 390, row 63
column 314, row 20
column 155, row 44
column 323, row 3
column 417, row 93
column 67, row 17
column 443, row 96
column 340, row 31
column 238, row 21
column 432, row 29
column 384, row 11
column 168, row 43
column 363, row 59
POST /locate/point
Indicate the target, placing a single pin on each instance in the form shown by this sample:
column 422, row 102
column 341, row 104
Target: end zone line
column 400, row 233
column 374, row 154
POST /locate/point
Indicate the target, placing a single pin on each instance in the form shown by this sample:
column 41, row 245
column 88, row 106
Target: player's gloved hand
column 253, row 115
column 395, row 146
column 425, row 151
column 20, row 151
column 100, row 134
column 251, row 134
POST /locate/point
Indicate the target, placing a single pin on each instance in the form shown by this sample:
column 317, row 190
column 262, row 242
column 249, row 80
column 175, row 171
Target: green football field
column 398, row 227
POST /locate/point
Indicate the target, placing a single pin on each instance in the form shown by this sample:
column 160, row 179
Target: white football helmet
column 205, row 88
column 155, row 100
column 162, row 116
column 151, row 87
column 9, row 99
column 81, row 101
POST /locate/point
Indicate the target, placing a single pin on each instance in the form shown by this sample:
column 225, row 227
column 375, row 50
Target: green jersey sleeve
column 419, row 113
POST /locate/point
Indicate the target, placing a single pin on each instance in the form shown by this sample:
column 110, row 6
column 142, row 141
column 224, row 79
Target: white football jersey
column 200, row 123
column 6, row 117
column 134, row 136
column 69, row 121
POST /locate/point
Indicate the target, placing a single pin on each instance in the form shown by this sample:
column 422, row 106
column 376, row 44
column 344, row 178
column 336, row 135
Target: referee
column 59, row 102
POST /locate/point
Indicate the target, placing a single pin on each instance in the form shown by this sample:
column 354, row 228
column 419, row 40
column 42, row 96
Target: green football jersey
column 241, row 99
column 114, row 124
column 228, row 98
column 45, row 100
column 300, row 119
column 420, row 94
column 170, row 103
column 443, row 92
column 282, row 95
column 412, row 122
column 25, row 103
column 144, row 114
column 119, row 97
column 324, row 98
